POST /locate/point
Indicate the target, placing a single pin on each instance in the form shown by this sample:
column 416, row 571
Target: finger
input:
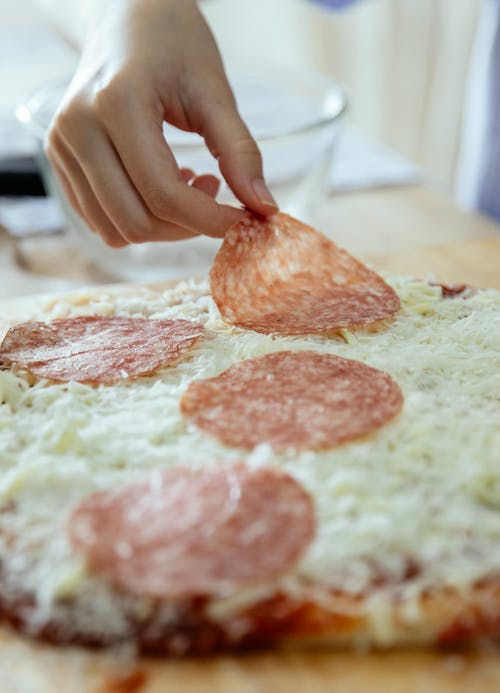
column 81, row 197
column 67, row 189
column 118, row 196
column 207, row 183
column 152, row 168
column 239, row 157
column 187, row 174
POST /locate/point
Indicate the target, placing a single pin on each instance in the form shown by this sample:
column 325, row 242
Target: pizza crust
column 317, row 619
column 39, row 668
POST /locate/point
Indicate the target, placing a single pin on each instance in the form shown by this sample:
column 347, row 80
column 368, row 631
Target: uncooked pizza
column 297, row 451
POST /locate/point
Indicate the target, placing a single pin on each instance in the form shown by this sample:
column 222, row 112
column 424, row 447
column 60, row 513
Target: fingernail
column 263, row 193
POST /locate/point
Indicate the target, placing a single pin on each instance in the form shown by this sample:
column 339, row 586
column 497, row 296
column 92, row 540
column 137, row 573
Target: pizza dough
column 303, row 400
column 279, row 276
column 96, row 349
column 187, row 533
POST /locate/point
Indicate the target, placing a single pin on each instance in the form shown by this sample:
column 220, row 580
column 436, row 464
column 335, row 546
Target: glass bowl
column 295, row 118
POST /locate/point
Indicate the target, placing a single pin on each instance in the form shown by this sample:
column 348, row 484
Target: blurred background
column 404, row 65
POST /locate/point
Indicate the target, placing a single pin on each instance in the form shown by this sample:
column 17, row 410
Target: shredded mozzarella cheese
column 424, row 489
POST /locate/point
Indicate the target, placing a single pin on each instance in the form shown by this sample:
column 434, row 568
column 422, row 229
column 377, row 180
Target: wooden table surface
column 418, row 232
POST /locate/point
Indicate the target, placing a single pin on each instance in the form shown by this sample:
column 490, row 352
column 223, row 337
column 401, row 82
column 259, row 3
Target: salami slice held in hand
column 276, row 275
column 303, row 400
column 195, row 532
column 97, row 349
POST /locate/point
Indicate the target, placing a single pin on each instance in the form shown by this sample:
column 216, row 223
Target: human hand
column 143, row 62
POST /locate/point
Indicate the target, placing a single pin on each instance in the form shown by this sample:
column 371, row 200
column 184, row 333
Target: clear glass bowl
column 295, row 118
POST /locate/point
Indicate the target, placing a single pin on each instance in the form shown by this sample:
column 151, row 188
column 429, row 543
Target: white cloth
column 478, row 179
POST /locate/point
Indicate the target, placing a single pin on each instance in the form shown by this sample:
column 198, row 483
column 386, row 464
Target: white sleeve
column 478, row 179
column 334, row 4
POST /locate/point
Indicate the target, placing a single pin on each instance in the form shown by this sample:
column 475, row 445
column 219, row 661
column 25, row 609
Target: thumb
column 239, row 157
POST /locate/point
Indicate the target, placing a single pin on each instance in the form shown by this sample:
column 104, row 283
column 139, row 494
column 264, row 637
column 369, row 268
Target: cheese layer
column 414, row 506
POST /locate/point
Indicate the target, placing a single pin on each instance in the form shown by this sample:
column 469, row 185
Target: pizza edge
column 443, row 617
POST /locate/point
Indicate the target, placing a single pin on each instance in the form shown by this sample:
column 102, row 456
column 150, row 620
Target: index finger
column 153, row 169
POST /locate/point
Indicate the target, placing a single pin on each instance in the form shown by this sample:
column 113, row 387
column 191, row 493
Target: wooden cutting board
column 27, row 667
column 474, row 262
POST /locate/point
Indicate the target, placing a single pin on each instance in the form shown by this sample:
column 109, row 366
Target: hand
column 143, row 62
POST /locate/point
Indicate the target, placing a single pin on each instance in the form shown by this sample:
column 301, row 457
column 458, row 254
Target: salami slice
column 279, row 276
column 187, row 533
column 293, row 399
column 97, row 349
column 455, row 290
